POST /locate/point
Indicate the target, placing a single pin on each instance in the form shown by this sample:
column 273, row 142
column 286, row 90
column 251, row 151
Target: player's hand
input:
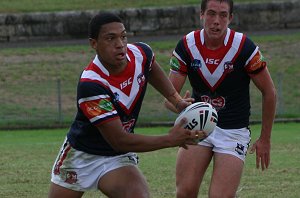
column 262, row 148
column 183, row 137
column 186, row 101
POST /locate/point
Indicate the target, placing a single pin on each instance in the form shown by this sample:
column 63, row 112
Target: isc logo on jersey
column 126, row 83
column 212, row 61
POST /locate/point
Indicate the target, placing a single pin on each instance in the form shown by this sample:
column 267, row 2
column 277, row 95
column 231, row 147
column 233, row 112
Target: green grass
column 27, row 158
column 29, row 79
column 17, row 6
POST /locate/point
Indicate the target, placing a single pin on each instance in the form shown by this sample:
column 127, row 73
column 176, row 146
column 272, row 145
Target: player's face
column 216, row 19
column 111, row 45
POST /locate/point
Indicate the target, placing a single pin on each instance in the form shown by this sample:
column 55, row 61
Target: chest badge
column 228, row 67
column 196, row 64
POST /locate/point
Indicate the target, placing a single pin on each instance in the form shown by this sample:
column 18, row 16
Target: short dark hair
column 99, row 20
column 230, row 3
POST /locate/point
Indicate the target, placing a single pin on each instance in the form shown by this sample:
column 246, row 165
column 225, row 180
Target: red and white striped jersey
column 221, row 76
column 102, row 97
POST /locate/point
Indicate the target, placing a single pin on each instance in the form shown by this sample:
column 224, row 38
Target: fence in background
column 53, row 104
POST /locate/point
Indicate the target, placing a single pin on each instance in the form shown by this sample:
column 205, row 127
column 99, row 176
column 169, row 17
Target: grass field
column 27, row 157
column 29, row 79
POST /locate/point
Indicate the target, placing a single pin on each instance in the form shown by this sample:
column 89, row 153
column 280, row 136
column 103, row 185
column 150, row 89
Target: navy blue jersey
column 221, row 76
column 102, row 97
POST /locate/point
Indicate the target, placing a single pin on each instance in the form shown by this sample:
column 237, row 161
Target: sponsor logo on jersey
column 228, row 67
column 257, row 62
column 196, row 64
column 212, row 61
column 174, row 63
column 218, row 102
column 141, row 79
column 92, row 108
column 105, row 105
column 126, row 83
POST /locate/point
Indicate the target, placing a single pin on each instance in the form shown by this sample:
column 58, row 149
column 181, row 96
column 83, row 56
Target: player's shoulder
column 248, row 40
column 191, row 34
column 141, row 48
column 141, row 45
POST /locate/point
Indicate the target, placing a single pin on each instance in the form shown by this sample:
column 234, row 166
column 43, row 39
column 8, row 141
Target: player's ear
column 230, row 18
column 93, row 43
column 201, row 14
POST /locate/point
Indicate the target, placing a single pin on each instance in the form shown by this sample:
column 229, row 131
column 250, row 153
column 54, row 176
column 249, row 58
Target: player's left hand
column 262, row 148
column 186, row 101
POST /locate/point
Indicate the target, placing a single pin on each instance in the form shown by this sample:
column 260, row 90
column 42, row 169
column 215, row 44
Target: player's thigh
column 227, row 172
column 57, row 191
column 124, row 182
column 191, row 165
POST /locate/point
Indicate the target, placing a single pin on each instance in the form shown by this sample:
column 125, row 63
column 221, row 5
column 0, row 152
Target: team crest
column 196, row 64
column 71, row 177
column 117, row 97
column 141, row 79
column 228, row 67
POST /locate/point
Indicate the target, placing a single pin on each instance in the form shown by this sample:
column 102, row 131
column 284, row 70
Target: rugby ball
column 200, row 116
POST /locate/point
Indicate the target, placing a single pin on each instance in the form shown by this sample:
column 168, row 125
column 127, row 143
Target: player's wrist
column 175, row 99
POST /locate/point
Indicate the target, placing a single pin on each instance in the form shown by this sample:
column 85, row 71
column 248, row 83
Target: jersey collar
column 225, row 40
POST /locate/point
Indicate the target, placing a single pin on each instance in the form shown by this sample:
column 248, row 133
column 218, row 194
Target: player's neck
column 116, row 69
column 214, row 43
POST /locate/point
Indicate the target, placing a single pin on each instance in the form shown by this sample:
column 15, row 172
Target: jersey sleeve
column 96, row 103
column 256, row 62
column 147, row 52
column 179, row 59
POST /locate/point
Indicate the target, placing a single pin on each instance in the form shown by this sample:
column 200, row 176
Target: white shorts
column 81, row 171
column 229, row 141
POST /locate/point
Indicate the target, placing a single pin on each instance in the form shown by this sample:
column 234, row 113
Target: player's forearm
column 268, row 113
column 141, row 143
column 170, row 106
column 162, row 84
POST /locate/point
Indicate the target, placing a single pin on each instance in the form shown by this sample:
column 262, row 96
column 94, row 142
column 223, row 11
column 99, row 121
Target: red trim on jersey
column 233, row 59
column 217, row 54
column 221, row 51
column 140, row 91
column 187, row 47
column 108, row 120
column 61, row 159
column 114, row 80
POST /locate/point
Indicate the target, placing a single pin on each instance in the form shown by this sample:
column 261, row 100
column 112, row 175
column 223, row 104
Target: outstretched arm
column 122, row 141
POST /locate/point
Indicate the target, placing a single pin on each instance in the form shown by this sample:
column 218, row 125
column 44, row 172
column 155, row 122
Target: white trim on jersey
column 252, row 55
column 92, row 98
column 98, row 117
column 213, row 78
column 97, row 62
column 178, row 57
column 225, row 40
column 123, row 98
